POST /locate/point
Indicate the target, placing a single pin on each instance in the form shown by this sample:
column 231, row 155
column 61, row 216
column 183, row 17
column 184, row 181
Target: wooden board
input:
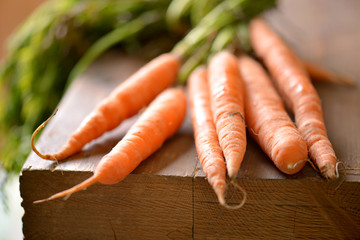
column 168, row 197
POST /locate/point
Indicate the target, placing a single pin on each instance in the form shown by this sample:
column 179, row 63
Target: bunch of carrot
column 234, row 91
column 228, row 94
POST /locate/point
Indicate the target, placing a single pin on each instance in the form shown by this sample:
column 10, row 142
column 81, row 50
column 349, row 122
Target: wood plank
column 278, row 209
column 137, row 208
column 167, row 196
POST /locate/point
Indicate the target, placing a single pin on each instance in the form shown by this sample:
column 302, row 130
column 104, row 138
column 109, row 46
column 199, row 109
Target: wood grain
column 168, row 197
column 160, row 207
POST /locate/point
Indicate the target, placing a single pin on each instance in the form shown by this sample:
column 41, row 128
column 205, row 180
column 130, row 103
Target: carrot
column 268, row 121
column 298, row 92
column 124, row 101
column 318, row 73
column 206, row 140
column 158, row 122
column 227, row 106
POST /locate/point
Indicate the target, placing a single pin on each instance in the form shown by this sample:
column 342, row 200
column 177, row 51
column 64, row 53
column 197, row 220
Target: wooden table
column 168, row 197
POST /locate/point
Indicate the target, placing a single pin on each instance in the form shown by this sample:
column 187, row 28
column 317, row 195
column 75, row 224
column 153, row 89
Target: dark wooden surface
column 167, row 196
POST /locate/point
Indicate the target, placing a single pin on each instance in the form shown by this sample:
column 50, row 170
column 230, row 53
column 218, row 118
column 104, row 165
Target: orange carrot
column 318, row 73
column 125, row 101
column 227, row 105
column 206, row 140
column 158, row 122
column 268, row 121
column 298, row 92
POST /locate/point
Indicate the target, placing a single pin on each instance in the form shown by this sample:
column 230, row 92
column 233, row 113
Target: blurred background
column 12, row 14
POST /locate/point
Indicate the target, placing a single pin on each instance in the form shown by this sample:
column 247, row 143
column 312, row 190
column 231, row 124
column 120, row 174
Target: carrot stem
column 217, row 18
column 112, row 38
column 174, row 13
column 194, row 61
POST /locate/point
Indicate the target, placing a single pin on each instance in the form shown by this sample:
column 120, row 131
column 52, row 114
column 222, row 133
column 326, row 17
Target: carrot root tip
column 43, row 156
column 67, row 197
column 291, row 166
column 221, row 199
column 329, row 171
column 337, row 169
column 313, row 165
column 232, row 172
column 39, row 201
column 66, row 193
column 346, row 80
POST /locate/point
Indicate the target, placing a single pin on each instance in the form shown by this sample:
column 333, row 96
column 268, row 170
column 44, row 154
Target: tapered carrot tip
column 329, row 171
column 322, row 74
column 58, row 195
column 68, row 192
column 346, row 80
column 340, row 80
column 232, row 172
column 221, row 197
